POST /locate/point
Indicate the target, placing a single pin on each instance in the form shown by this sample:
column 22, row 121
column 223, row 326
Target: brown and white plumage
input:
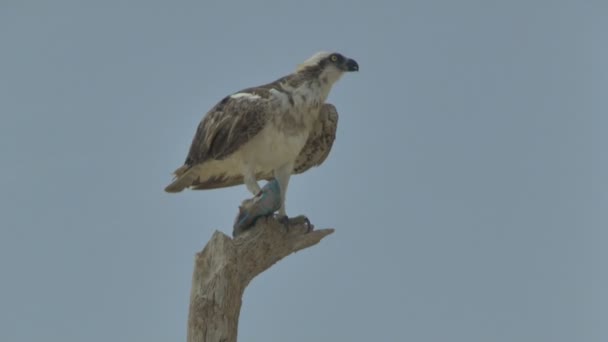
column 314, row 153
column 269, row 131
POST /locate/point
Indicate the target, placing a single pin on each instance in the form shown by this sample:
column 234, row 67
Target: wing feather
column 314, row 153
column 320, row 140
column 225, row 128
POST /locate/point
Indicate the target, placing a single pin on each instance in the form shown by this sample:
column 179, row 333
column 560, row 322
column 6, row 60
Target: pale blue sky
column 467, row 184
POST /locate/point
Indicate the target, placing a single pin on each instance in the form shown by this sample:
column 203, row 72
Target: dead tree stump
column 224, row 268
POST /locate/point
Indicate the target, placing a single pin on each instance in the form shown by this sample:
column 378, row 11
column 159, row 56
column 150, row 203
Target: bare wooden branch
column 225, row 267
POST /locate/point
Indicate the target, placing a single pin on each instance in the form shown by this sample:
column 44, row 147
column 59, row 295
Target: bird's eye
column 333, row 58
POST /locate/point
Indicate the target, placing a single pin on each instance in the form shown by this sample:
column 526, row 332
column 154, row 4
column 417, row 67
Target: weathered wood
column 224, row 268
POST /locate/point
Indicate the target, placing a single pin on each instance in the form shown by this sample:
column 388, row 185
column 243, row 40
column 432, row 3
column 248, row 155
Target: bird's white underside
column 270, row 151
column 267, row 151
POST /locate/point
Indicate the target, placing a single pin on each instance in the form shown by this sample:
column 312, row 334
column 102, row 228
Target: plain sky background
column 467, row 184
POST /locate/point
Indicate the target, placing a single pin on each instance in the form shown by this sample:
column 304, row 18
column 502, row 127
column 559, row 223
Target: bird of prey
column 268, row 131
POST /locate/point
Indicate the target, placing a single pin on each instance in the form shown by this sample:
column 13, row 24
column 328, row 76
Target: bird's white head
column 328, row 67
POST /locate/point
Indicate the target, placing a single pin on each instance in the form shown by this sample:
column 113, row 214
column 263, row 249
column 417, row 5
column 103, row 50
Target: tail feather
column 209, row 175
column 176, row 186
column 184, row 177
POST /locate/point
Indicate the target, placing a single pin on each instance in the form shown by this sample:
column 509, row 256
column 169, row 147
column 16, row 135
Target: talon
column 308, row 225
column 284, row 220
column 303, row 219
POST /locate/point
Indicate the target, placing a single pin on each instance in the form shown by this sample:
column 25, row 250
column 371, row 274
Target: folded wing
column 313, row 154
column 225, row 128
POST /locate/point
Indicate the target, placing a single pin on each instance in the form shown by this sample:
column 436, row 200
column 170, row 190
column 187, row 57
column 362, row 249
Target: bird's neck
column 312, row 93
column 313, row 85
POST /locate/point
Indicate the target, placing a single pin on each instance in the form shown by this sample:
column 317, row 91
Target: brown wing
column 225, row 128
column 320, row 140
column 229, row 125
column 314, row 153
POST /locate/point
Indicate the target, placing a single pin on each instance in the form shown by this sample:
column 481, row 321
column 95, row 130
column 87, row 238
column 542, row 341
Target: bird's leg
column 282, row 175
column 250, row 181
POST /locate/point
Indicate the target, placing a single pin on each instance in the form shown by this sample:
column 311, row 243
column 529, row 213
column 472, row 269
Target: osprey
column 268, row 131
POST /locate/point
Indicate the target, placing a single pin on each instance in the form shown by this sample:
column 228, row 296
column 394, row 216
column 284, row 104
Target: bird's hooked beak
column 350, row 65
